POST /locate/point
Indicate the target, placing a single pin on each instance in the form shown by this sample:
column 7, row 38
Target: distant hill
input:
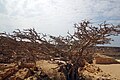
column 109, row 51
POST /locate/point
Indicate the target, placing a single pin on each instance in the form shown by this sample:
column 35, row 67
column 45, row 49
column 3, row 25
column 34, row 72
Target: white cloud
column 56, row 14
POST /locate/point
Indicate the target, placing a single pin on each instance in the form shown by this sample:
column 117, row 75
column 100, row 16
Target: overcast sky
column 56, row 17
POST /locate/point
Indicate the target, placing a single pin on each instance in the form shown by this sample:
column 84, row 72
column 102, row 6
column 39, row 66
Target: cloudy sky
column 56, row 17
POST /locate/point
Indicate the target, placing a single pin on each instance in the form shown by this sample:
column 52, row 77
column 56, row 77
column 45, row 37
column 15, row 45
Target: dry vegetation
column 72, row 55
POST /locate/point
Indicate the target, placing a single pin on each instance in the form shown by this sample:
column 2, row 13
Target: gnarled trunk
column 71, row 71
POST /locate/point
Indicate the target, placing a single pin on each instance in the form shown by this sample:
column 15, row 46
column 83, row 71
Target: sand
column 112, row 69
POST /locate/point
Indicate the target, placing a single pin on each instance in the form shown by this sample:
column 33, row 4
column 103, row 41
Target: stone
column 23, row 73
column 32, row 78
column 7, row 73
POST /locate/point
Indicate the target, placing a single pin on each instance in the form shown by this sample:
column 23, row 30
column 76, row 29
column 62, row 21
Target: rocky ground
column 22, row 72
column 46, row 70
column 25, row 61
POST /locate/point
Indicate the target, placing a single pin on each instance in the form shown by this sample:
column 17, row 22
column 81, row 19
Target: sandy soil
column 112, row 69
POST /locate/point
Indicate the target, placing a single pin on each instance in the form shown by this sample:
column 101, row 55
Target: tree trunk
column 71, row 72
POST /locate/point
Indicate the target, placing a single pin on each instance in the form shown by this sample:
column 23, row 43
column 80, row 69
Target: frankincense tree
column 78, row 48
